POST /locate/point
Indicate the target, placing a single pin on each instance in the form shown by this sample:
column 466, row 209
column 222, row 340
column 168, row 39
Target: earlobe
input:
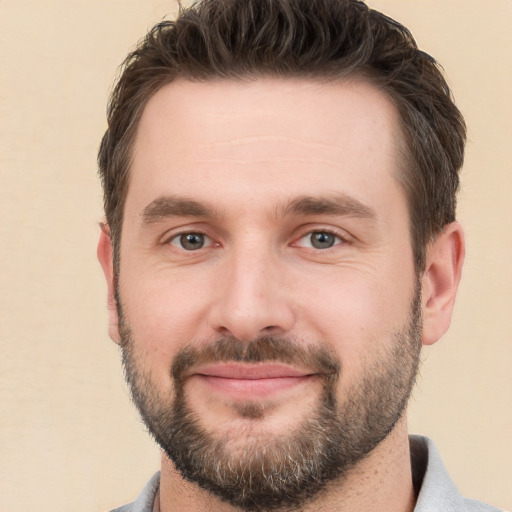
column 444, row 259
column 105, row 257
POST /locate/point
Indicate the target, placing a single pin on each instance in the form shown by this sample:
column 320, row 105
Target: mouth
column 246, row 381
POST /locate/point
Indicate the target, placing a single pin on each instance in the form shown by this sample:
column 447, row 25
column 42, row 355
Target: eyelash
column 339, row 240
column 178, row 236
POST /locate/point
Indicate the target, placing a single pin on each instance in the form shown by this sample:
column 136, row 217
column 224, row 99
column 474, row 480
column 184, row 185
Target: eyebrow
column 338, row 204
column 172, row 206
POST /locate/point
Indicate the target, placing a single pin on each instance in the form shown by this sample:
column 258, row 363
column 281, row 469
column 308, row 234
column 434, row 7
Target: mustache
column 264, row 349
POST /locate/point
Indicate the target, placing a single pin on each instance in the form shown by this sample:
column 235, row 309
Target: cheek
column 164, row 310
column 356, row 312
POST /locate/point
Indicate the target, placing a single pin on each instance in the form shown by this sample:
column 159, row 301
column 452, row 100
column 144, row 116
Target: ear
column 444, row 259
column 105, row 256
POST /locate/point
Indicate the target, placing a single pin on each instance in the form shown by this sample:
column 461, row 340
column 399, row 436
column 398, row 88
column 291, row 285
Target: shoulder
column 145, row 500
column 124, row 508
column 478, row 506
column 436, row 490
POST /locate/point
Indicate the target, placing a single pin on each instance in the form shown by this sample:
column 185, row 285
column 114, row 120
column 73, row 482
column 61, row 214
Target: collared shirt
column 437, row 492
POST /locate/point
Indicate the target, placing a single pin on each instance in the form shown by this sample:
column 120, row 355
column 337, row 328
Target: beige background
column 69, row 437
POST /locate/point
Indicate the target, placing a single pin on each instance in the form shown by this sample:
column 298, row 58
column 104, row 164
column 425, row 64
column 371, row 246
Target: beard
column 254, row 469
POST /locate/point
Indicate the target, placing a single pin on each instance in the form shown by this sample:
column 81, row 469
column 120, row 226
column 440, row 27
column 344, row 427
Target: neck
column 383, row 479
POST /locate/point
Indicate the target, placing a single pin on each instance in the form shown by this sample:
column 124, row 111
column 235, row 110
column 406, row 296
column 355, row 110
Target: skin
column 247, row 151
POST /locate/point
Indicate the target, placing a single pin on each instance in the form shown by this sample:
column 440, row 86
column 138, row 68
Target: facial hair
column 281, row 472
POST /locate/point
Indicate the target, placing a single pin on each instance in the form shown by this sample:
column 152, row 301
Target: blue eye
column 320, row 240
column 190, row 241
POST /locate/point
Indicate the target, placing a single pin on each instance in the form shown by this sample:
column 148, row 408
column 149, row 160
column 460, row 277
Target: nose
column 252, row 299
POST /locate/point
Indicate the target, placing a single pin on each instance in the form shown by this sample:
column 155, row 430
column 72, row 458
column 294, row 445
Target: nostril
column 234, row 315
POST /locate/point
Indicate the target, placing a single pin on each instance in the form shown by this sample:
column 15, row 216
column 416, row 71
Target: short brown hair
column 315, row 39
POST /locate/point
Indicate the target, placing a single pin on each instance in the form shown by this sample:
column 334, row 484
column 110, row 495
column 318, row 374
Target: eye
column 190, row 241
column 320, row 240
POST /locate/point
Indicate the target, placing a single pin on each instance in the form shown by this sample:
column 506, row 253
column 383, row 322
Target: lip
column 246, row 381
column 251, row 371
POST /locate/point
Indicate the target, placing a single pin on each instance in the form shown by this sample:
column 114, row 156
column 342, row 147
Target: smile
column 252, row 381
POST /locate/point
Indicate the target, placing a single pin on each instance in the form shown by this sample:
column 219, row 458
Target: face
column 269, row 309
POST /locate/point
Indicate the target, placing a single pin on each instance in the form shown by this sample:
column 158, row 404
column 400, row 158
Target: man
column 280, row 240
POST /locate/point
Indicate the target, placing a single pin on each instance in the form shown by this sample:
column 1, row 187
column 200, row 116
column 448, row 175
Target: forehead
column 264, row 138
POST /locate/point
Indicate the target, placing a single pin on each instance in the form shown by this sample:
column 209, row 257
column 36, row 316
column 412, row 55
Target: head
column 280, row 183
column 324, row 40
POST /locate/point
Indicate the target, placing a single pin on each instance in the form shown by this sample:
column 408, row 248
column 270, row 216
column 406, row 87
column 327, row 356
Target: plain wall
column 69, row 437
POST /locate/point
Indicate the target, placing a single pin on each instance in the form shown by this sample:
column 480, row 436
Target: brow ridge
column 174, row 206
column 338, row 204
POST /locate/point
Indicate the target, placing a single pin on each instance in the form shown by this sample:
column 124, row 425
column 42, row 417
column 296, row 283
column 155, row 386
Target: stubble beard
column 259, row 470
